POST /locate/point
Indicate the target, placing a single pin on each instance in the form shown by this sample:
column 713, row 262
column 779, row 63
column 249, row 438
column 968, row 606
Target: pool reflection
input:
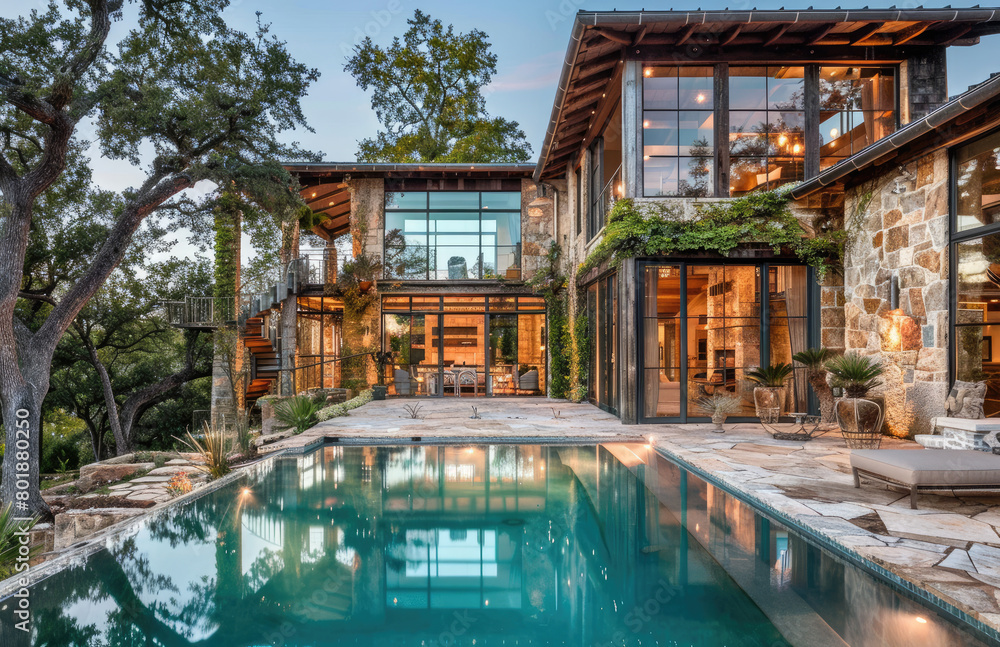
column 484, row 545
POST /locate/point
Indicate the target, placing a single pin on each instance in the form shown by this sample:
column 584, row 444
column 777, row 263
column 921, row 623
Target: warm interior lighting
column 782, row 140
column 700, row 98
column 645, row 124
column 834, row 132
column 922, row 621
column 796, row 148
column 648, row 71
column 645, row 157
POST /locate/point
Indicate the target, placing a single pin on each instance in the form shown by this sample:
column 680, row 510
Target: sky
column 529, row 37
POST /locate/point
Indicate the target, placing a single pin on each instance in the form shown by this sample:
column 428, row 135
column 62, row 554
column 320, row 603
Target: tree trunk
column 817, row 379
column 22, row 421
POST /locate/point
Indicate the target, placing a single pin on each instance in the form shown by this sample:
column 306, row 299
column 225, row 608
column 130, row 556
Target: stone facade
column 898, row 225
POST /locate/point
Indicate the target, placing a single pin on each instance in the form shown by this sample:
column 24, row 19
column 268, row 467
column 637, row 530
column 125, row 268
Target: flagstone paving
column 153, row 486
column 950, row 546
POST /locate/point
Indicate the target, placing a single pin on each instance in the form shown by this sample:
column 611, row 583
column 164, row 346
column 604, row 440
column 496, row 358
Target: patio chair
column 925, row 469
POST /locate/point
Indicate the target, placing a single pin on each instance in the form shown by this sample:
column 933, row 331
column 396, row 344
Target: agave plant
column 815, row 360
column 244, row 436
column 213, row 447
column 774, row 375
column 719, row 406
column 10, row 540
column 298, row 412
column 856, row 374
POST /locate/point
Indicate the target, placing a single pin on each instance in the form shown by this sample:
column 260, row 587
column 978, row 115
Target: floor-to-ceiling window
column 704, row 326
column 602, row 323
column 465, row 345
column 975, row 255
column 318, row 330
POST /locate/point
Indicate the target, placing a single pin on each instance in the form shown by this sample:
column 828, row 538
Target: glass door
column 464, row 357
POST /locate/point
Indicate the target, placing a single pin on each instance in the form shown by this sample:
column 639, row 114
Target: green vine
column 658, row 229
column 551, row 283
column 227, row 222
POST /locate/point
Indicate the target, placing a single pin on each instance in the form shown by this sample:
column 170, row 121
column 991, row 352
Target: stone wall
column 901, row 232
column 537, row 220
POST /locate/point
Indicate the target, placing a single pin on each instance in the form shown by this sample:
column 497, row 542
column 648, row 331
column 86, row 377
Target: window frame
column 427, row 211
column 719, row 188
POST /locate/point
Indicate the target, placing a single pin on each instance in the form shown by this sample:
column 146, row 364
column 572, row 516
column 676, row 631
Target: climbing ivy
column 227, row 221
column 551, row 283
column 656, row 229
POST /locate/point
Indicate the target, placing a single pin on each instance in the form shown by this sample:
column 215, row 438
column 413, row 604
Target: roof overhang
column 601, row 41
column 325, row 186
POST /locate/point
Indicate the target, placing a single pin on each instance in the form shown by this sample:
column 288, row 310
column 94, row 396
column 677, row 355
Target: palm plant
column 815, row 360
column 10, row 540
column 856, row 374
column 298, row 412
column 771, row 376
column 213, row 447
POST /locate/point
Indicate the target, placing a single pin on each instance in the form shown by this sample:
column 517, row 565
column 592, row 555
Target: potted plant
column 361, row 271
column 859, row 418
column 719, row 406
column 382, row 360
column 770, row 390
column 815, row 360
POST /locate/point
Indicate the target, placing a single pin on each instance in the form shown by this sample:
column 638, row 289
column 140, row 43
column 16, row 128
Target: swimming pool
column 472, row 545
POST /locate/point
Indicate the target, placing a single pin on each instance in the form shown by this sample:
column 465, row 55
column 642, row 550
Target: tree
column 210, row 103
column 427, row 91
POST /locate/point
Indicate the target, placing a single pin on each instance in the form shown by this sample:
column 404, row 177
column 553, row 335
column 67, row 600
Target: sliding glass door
column 704, row 326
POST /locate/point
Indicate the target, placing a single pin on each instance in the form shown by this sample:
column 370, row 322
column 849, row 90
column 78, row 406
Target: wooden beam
column 819, row 34
column 585, row 99
column 950, row 37
column 334, row 224
column 330, row 200
column 860, row 35
column 686, row 33
column 600, row 63
column 911, row 32
column 621, row 37
column 775, row 34
column 730, row 35
column 639, row 36
column 338, row 210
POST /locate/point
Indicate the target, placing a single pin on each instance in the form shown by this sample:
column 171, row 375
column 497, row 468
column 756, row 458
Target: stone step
column 930, row 441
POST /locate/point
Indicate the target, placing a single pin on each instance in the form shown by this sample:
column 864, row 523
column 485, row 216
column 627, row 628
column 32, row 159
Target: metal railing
column 320, row 266
column 201, row 311
column 608, row 198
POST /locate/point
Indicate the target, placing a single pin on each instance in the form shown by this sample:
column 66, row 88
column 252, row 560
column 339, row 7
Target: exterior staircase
column 265, row 359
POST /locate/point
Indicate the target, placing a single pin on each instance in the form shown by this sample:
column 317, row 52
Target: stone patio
column 950, row 546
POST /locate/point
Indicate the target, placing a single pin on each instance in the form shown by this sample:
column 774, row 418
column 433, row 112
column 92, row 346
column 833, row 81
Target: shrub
column 770, row 376
column 10, row 542
column 213, row 449
column 298, row 412
column 856, row 374
column 342, row 409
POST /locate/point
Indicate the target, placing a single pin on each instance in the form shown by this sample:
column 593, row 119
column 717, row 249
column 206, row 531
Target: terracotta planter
column 364, row 286
column 767, row 400
column 860, row 422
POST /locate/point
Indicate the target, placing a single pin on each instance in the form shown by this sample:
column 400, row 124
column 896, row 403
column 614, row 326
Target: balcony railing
column 319, row 266
column 201, row 312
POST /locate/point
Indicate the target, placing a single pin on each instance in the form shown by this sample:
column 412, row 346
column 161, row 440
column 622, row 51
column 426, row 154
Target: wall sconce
column 899, row 331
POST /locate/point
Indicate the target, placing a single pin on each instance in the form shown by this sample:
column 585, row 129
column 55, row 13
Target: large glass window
column 602, row 322
column 678, row 131
column 766, row 127
column 605, row 172
column 705, row 326
column 857, row 108
column 977, row 183
column 452, row 235
column 976, row 283
column 318, row 330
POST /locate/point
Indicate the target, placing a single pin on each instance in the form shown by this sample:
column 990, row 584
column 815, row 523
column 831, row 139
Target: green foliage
column 342, row 409
column 774, row 375
column 298, row 412
column 657, row 229
column 244, row 435
column 856, row 374
column 427, row 91
column 550, row 283
column 63, row 436
column 213, row 447
column 814, row 359
column 227, row 262
column 582, row 349
column 10, row 541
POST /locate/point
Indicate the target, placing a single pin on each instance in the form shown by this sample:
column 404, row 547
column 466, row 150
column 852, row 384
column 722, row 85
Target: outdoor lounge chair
column 926, row 469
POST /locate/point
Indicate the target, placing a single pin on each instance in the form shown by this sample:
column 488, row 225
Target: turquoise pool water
column 475, row 545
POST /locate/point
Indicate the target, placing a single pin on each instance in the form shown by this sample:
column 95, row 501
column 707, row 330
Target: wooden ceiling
column 594, row 80
column 334, row 201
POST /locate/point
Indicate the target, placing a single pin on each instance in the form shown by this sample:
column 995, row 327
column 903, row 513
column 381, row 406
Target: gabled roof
column 599, row 39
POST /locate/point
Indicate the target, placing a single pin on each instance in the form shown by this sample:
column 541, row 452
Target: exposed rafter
column 775, row 34
column 730, row 35
column 686, row 33
column 621, row 37
column 859, row 36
